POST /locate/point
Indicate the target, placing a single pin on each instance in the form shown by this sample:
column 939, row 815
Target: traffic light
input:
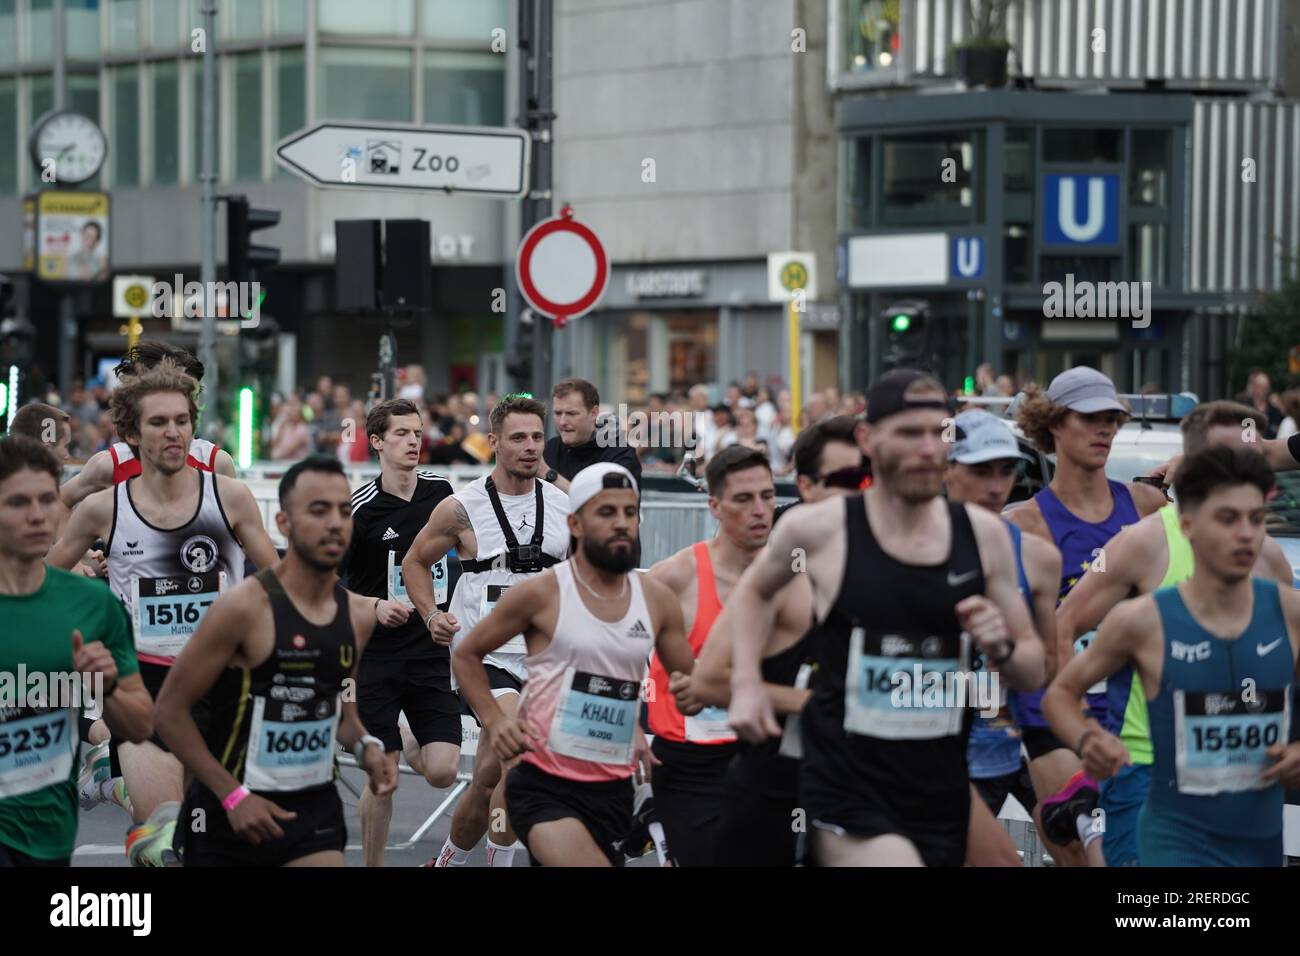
column 905, row 333
column 244, row 259
column 519, row 366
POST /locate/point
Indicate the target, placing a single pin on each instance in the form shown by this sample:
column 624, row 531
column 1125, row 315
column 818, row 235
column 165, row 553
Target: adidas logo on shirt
column 638, row 630
column 390, row 534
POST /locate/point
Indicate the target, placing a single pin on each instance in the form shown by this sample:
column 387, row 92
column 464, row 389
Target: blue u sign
column 1081, row 209
column 968, row 257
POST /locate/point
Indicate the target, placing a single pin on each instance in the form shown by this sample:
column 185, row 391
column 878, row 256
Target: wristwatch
column 551, row 475
column 359, row 748
column 1003, row 658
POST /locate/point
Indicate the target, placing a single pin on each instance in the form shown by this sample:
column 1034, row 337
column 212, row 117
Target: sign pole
column 208, row 234
column 794, row 378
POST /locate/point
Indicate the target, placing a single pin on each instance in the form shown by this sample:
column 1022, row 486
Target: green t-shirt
column 36, row 632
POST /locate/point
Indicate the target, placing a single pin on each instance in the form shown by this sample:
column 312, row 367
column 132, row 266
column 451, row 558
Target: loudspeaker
column 357, row 264
column 408, row 275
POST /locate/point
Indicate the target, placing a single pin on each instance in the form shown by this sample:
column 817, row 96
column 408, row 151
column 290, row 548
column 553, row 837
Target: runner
column 1143, row 558
column 570, row 797
column 403, row 671
column 692, row 750
column 175, row 537
column 484, row 523
column 119, row 462
column 1079, row 512
column 982, row 462
column 62, row 627
column 272, row 658
column 883, row 779
column 1221, row 716
column 760, row 788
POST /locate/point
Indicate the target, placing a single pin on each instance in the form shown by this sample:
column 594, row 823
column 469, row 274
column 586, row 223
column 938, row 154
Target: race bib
column 902, row 687
column 166, row 611
column 1081, row 644
column 1221, row 740
column 595, row 718
column 37, row 748
column 791, row 742
column 491, row 594
column 709, row 726
column 397, row 585
column 291, row 744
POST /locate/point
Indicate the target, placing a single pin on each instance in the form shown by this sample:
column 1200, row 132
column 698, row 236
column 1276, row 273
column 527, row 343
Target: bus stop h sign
column 561, row 268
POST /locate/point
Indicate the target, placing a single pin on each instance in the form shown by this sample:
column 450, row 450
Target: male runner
column 274, row 658
column 899, row 578
column 1079, row 512
column 505, row 527
column 175, row 537
column 760, row 788
column 1142, row 558
column 403, row 671
column 1220, row 648
column 581, row 440
column 692, row 750
column 62, row 627
column 982, row 463
column 589, row 623
column 119, row 462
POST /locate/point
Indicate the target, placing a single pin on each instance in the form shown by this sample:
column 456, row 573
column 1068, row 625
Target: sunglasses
column 852, row 478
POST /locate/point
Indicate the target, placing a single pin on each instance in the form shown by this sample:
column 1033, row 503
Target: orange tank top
column 666, row 720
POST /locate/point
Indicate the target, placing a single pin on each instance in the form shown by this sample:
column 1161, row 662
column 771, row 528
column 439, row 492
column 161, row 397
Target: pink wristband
column 235, row 798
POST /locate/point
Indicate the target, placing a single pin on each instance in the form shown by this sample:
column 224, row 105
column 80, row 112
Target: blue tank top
column 994, row 747
column 1078, row 541
column 1210, row 734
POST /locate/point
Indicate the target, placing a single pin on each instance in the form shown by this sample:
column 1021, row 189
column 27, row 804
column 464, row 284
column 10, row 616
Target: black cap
column 887, row 395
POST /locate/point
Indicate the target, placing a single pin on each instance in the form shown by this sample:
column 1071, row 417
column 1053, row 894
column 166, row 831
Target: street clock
column 73, row 141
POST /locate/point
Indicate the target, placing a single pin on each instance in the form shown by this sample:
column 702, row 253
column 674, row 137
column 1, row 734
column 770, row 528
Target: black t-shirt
column 568, row 460
column 383, row 522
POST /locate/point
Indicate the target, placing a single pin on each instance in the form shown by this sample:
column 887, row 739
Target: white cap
column 596, row 478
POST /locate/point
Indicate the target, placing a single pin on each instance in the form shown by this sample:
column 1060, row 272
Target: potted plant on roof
column 981, row 58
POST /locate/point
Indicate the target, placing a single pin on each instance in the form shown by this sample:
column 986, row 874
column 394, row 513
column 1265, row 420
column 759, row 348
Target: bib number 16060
column 297, row 741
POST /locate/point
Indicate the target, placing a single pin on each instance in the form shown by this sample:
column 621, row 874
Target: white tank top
column 168, row 578
column 478, row 591
column 584, row 689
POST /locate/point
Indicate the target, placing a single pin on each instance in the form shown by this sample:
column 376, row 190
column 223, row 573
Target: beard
column 312, row 558
column 910, row 486
column 607, row 559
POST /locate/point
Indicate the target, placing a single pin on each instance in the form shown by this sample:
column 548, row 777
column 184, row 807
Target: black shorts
column 318, row 827
column 757, row 825
column 995, row 790
column 605, row 809
column 498, row 680
column 153, row 676
column 12, row 859
column 1039, row 741
column 688, row 797
column 421, row 689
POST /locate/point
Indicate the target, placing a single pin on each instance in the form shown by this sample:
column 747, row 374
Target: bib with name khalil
column 595, row 718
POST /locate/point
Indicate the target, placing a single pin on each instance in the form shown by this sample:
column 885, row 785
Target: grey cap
column 1084, row 390
column 983, row 437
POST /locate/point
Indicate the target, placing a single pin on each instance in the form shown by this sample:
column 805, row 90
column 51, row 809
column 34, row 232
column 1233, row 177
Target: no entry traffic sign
column 562, row 268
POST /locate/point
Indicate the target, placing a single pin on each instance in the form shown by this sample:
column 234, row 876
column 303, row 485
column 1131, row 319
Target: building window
column 196, row 119
column 456, row 20
column 1018, row 160
column 81, row 29
column 39, row 47
column 1149, row 171
column 289, row 17
column 166, row 122
column 124, row 84
column 8, row 131
column 40, row 95
column 247, row 118
column 166, row 24
column 855, row 183
column 870, row 35
column 1081, row 146
column 390, row 18
column 1017, row 253
column 1147, row 247
column 365, row 84
column 243, row 19
column 8, row 33
column 290, row 98
column 124, row 26
column 465, row 88
column 929, row 179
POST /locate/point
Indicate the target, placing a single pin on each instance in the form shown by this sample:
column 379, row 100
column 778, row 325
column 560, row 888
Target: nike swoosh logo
column 956, row 579
column 1262, row 649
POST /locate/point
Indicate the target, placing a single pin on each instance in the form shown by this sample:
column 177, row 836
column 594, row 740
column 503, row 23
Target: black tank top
column 273, row 725
column 914, row 753
column 760, row 767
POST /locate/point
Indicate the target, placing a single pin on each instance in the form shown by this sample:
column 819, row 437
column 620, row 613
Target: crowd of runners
column 863, row 683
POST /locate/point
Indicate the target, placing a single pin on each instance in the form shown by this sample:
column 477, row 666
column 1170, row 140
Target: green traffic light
column 900, row 323
column 969, row 385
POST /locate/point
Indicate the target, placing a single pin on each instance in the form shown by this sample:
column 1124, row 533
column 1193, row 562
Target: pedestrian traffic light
column 905, row 324
column 245, row 259
column 900, row 323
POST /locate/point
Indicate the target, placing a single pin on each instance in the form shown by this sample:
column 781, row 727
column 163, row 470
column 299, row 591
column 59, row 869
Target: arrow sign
column 488, row 160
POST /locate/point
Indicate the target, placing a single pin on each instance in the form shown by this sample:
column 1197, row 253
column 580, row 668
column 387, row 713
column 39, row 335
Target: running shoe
column 638, row 841
column 1062, row 809
column 94, row 771
column 150, row 843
